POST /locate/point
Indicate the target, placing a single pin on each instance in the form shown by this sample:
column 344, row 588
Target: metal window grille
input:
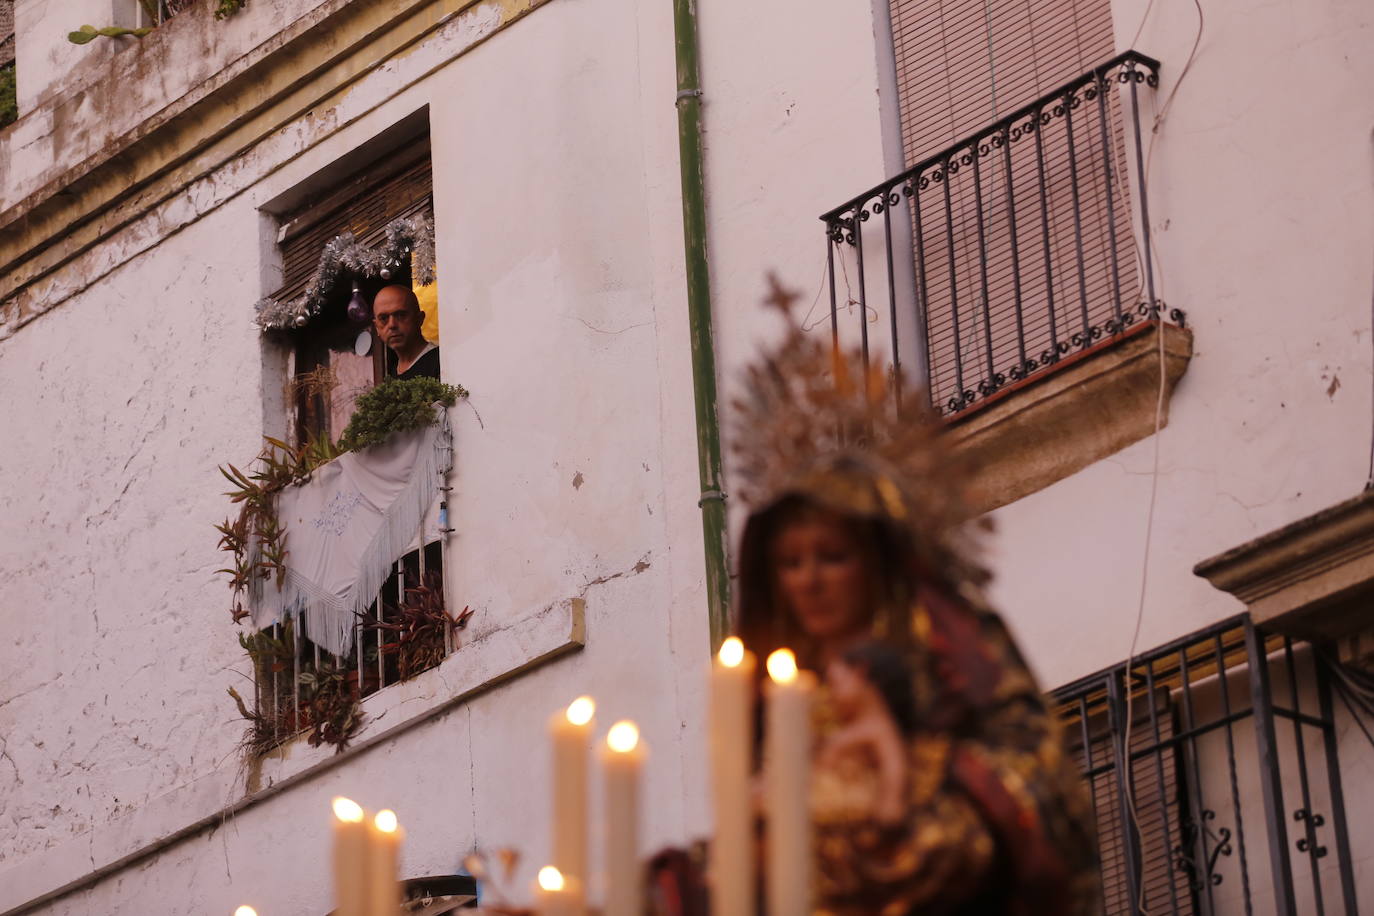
column 1229, row 799
column 283, row 696
column 156, row 12
column 1013, row 248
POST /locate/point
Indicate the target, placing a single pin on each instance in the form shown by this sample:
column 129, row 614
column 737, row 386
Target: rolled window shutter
column 961, row 65
column 397, row 187
column 1160, row 792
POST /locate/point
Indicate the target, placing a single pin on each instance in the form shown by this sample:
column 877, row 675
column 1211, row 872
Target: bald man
column 397, row 315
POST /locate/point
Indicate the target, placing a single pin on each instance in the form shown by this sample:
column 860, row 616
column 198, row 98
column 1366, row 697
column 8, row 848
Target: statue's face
column 822, row 578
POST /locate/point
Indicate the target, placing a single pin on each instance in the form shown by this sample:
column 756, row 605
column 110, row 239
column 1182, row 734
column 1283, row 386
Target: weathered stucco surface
column 563, row 309
column 1269, row 255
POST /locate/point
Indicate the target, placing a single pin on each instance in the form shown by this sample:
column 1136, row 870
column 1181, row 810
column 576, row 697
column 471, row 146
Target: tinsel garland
column 412, row 235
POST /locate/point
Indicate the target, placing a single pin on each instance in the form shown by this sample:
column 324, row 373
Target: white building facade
column 147, row 198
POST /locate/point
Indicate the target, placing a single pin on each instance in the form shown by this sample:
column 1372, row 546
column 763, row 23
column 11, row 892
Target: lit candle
column 245, row 910
column 732, row 719
column 787, row 775
column 383, row 887
column 570, row 732
column 622, row 758
column 350, row 859
column 557, row 894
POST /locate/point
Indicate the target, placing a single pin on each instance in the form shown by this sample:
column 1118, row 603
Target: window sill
column 474, row 667
column 1093, row 404
column 1312, row 579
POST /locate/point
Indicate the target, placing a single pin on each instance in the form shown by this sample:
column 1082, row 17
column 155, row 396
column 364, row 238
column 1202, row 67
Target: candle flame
column 245, row 910
column 623, row 737
column 550, row 878
column 581, row 710
column 731, row 652
column 347, row 810
column 782, row 666
column 385, row 820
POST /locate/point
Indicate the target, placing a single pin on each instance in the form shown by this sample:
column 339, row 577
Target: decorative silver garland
column 413, row 235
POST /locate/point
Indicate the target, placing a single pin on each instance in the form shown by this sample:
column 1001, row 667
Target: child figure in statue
column 941, row 782
column 860, row 772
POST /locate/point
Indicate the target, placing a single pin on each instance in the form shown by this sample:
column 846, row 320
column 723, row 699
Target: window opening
column 1024, row 244
column 335, row 358
column 1233, row 766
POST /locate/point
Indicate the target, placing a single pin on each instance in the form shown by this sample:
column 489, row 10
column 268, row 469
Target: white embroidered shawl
column 346, row 526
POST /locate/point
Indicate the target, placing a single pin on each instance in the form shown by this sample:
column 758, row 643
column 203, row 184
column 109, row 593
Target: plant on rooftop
column 87, row 33
column 9, row 99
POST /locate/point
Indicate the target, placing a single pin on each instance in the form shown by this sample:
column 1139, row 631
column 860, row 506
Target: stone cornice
column 303, row 68
column 1313, row 578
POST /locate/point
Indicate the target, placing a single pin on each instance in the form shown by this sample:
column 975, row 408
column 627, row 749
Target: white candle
column 570, row 733
column 383, row 886
column 557, row 894
column 245, row 910
column 732, row 732
column 622, row 759
column 787, row 775
column 350, row 859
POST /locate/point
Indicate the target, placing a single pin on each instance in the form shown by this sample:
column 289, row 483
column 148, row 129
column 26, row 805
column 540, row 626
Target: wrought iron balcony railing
column 1013, row 248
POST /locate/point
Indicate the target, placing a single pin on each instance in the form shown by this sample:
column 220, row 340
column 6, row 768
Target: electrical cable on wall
column 1132, row 811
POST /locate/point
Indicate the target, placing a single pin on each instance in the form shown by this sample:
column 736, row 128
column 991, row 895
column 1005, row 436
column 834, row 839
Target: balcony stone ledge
column 1092, row 405
column 1312, row 579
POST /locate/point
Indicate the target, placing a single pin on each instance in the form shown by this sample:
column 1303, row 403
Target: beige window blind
column 1023, row 261
column 398, row 186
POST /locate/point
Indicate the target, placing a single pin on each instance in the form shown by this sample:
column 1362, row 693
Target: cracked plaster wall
column 66, row 114
column 562, row 312
column 128, row 401
column 1271, row 256
column 1261, row 183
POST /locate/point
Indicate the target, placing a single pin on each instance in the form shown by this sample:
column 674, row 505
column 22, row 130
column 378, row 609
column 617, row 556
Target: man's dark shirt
column 427, row 366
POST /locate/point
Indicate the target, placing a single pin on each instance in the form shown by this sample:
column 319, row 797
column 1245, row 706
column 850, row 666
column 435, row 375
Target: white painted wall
column 1261, row 190
column 1261, row 186
column 44, row 56
column 563, row 310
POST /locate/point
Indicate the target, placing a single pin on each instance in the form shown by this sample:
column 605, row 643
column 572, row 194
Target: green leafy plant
column 417, row 632
column 272, row 718
column 255, row 538
column 394, row 406
column 329, row 703
column 9, row 96
column 322, row 699
column 226, row 8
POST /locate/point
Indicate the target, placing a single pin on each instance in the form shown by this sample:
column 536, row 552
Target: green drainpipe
column 699, row 316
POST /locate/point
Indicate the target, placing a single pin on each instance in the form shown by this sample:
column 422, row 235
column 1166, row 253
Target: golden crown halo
column 815, row 419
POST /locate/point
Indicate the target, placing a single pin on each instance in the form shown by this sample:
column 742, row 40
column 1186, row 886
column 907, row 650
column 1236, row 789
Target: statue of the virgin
column 941, row 782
